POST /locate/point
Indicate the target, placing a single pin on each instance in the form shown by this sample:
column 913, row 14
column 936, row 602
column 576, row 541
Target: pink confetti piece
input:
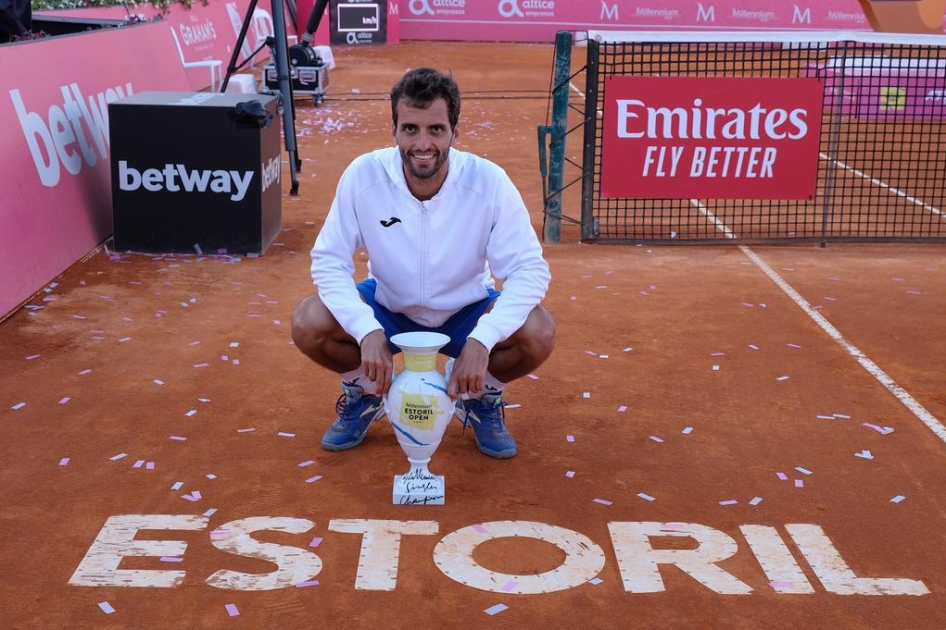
column 753, row 346
column 656, row 439
column 782, row 476
column 307, row 583
column 591, row 352
column 124, row 339
column 570, row 474
column 149, row 466
column 308, row 462
column 64, row 400
column 729, row 502
column 191, row 413
column 235, row 362
column 84, row 372
column 171, row 559
column 316, row 541
column 18, row 405
column 313, row 479
column 603, row 501
column 178, row 438
column 793, row 345
column 897, row 499
column 232, row 610
column 533, row 377
column 219, row 534
column 245, row 430
column 645, row 497
column 32, row 356
column 201, row 365
column 64, row 461
column 569, row 438
column 158, row 381
column 106, row 608
column 510, row 585
column 799, row 483
column 495, row 610
column 480, row 528
column 194, row 343
column 115, row 458
column 780, row 584
column 622, row 408
column 139, row 463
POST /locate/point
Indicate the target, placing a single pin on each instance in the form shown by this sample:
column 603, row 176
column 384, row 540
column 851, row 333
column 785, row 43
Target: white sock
column 358, row 377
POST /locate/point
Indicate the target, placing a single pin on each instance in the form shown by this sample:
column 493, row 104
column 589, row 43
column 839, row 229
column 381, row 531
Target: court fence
column 695, row 138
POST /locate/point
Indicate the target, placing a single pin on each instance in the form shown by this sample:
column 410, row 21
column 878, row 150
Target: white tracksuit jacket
column 428, row 256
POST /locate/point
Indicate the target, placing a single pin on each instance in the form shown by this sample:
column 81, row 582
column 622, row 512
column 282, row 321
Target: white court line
column 872, row 368
column 885, row 185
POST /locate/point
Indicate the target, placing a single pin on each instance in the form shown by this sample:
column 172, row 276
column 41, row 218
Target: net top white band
column 775, row 37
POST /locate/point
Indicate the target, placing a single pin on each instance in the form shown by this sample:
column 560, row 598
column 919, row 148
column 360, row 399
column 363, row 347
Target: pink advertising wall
column 55, row 205
column 539, row 20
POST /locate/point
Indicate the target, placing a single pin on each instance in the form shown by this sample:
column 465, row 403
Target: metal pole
column 285, row 88
column 559, row 128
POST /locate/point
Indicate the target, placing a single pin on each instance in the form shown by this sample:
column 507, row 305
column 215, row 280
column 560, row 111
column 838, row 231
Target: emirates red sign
column 710, row 138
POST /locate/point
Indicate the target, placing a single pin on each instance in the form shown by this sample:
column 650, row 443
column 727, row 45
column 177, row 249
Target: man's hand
column 376, row 360
column 469, row 371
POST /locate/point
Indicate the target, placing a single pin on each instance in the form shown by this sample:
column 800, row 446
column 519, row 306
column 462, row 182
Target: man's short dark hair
column 421, row 87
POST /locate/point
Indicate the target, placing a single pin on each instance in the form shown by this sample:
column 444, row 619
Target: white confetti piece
column 210, row 512
column 782, row 378
column 64, row 400
column 897, row 499
column 177, row 485
column 646, row 497
column 106, row 608
column 782, row 476
column 64, row 461
column 124, row 339
column 793, row 345
column 603, row 501
column 716, row 368
column 32, row 356
column 803, row 471
column 234, row 344
column 284, row 434
column 313, row 479
column 570, row 473
column 84, row 372
column 191, row 413
column 596, row 581
column 306, row 463
column 799, row 483
column 865, row 454
column 729, row 502
column 18, row 405
column 622, row 408
column 139, row 463
column 210, row 476
column 586, row 394
column 495, row 610
column 753, row 346
column 115, row 458
column 688, row 431
column 755, row 501
column 245, row 430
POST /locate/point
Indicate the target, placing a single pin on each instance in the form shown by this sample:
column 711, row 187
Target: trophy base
column 418, row 487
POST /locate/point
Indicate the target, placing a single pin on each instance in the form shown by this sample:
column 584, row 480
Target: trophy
column 419, row 410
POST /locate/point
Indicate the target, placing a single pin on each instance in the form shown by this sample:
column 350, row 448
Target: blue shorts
column 458, row 327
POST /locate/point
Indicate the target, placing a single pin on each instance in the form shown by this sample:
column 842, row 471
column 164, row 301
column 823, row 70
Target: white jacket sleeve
column 515, row 257
column 333, row 266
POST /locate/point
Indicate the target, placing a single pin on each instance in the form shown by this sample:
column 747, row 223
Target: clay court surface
column 693, row 412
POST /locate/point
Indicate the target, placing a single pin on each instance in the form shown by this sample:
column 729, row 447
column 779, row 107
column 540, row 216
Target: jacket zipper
column 423, row 254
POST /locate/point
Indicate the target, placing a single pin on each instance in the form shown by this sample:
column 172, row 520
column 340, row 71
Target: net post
column 558, row 129
column 589, row 229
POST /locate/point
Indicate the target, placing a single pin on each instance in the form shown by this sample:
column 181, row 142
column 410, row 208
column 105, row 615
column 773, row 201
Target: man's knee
column 311, row 321
column 537, row 335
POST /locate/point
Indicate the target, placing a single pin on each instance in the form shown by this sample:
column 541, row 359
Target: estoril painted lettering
column 636, row 547
column 177, row 178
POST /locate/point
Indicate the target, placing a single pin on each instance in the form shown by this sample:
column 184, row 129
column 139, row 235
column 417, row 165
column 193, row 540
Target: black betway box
column 195, row 172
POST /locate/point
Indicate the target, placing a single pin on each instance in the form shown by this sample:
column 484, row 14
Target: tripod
column 280, row 52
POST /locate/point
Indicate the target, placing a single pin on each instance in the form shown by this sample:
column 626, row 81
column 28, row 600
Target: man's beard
column 425, row 172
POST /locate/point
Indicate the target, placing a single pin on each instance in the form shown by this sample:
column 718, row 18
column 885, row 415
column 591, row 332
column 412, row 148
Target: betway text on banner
column 710, row 138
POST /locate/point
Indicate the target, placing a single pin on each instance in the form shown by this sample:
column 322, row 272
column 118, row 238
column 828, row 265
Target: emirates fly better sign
column 710, row 138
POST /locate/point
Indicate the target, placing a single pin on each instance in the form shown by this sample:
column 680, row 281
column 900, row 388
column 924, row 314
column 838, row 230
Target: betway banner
column 54, row 151
column 539, row 20
column 710, row 138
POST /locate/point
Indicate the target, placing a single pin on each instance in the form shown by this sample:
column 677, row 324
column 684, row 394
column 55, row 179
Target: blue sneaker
column 488, row 420
column 356, row 411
